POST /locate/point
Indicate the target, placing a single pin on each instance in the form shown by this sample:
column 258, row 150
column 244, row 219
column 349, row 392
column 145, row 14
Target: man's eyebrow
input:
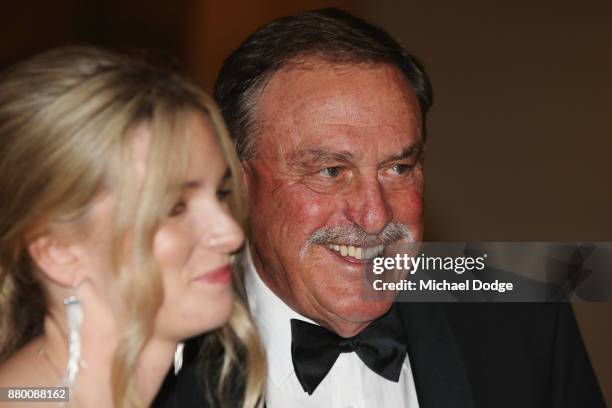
column 321, row 154
column 414, row 151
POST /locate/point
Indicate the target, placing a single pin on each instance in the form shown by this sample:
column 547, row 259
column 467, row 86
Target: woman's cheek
column 169, row 248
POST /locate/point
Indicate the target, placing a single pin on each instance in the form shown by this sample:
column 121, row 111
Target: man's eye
column 331, row 171
column 400, row 168
column 178, row 208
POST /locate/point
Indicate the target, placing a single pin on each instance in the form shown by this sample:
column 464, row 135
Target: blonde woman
column 116, row 191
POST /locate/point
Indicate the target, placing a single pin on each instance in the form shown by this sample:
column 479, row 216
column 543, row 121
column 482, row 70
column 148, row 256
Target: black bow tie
column 314, row 349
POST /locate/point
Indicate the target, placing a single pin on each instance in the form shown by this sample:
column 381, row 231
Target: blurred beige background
column 520, row 134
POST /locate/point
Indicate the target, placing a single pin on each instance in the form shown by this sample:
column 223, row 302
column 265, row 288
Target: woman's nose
column 226, row 235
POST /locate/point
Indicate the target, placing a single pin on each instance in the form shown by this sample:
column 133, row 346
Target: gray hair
column 329, row 34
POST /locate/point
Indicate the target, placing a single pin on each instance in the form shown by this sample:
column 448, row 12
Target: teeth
column 369, row 253
column 358, row 252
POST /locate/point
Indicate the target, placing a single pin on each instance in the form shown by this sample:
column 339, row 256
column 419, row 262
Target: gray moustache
column 356, row 236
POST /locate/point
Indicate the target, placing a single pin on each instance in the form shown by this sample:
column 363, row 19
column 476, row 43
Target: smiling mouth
column 357, row 253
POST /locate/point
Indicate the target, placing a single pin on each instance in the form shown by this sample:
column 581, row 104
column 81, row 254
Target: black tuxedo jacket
column 466, row 355
column 498, row 355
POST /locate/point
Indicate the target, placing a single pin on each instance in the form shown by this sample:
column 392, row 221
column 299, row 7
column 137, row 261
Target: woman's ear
column 57, row 259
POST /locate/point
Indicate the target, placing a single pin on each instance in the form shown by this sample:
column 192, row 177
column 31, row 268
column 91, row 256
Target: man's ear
column 57, row 259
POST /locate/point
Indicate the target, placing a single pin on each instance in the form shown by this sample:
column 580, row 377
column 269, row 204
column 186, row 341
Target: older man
column 328, row 113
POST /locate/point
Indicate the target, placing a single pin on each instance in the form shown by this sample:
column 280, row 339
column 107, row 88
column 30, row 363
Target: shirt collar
column 272, row 317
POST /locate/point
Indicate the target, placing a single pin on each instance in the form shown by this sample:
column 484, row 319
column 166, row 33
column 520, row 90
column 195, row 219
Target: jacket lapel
column 439, row 373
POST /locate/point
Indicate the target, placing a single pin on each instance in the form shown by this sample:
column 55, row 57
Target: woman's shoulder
column 26, row 368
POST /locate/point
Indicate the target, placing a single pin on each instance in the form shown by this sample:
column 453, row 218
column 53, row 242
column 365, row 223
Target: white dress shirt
column 350, row 383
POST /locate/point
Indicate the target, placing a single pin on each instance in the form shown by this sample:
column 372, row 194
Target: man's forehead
column 304, row 105
column 334, row 92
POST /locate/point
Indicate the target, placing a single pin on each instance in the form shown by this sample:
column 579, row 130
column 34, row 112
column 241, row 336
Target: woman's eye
column 178, row 208
column 331, row 172
column 223, row 194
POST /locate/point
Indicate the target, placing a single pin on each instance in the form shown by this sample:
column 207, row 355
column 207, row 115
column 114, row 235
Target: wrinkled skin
column 337, row 145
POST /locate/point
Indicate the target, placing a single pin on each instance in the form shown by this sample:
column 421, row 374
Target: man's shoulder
column 482, row 316
column 533, row 349
column 509, row 319
column 529, row 328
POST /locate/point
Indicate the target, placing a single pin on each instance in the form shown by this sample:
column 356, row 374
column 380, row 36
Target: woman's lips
column 219, row 275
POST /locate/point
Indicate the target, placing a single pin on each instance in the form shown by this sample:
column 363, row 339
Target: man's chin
column 351, row 319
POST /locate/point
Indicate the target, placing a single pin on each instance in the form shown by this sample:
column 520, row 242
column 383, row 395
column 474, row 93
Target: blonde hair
column 66, row 119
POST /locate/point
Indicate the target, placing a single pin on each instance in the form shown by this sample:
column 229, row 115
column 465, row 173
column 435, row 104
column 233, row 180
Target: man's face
column 338, row 150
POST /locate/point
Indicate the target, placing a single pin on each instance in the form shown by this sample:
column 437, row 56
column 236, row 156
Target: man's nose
column 368, row 206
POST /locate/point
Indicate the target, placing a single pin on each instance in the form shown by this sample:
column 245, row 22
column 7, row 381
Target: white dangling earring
column 178, row 357
column 74, row 317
